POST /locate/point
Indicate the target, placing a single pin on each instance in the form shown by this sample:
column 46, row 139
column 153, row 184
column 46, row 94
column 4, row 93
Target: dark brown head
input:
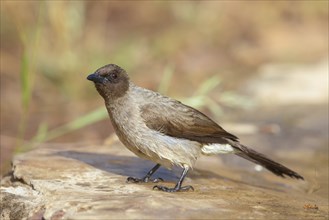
column 111, row 81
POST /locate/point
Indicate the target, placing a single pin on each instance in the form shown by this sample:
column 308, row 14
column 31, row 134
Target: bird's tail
column 258, row 158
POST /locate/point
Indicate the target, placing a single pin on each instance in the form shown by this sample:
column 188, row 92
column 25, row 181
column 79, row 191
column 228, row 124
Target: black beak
column 96, row 78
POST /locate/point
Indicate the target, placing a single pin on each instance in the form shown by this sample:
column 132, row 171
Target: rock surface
column 88, row 182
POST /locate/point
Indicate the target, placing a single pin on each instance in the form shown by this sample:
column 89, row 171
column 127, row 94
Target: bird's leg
column 146, row 178
column 178, row 186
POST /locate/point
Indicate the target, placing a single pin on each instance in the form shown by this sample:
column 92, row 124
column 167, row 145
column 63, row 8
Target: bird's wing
column 178, row 120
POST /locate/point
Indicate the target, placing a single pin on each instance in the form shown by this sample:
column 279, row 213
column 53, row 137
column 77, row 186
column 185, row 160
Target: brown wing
column 178, row 120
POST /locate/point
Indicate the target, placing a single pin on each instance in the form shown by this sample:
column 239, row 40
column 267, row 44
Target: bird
column 166, row 131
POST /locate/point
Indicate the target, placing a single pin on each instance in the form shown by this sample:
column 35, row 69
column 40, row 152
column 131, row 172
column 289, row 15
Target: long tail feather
column 258, row 158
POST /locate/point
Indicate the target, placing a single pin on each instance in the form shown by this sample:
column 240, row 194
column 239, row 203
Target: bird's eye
column 113, row 75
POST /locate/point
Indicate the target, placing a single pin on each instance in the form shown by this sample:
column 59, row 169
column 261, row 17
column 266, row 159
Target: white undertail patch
column 211, row 149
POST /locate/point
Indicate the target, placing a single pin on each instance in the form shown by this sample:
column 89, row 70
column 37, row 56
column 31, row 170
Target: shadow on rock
column 136, row 167
column 121, row 165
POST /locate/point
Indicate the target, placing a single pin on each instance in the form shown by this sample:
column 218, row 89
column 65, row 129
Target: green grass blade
column 208, row 85
column 165, row 81
column 88, row 119
column 25, row 82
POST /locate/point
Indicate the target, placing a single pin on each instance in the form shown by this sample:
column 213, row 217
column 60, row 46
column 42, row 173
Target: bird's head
column 111, row 81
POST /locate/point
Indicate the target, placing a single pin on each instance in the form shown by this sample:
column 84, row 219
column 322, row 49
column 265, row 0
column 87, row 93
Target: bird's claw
column 134, row 180
column 143, row 180
column 176, row 189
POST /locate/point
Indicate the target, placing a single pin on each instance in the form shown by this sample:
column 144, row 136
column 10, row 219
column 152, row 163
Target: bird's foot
column 176, row 189
column 143, row 180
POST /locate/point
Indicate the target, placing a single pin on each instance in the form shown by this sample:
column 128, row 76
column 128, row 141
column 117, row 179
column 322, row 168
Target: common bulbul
column 166, row 131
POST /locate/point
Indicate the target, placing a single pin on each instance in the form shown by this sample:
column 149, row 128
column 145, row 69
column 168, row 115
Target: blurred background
column 202, row 53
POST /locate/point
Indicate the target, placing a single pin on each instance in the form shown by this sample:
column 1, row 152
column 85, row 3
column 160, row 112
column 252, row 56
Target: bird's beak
column 96, row 78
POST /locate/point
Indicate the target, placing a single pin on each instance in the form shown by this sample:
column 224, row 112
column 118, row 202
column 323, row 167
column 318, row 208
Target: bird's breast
column 148, row 143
